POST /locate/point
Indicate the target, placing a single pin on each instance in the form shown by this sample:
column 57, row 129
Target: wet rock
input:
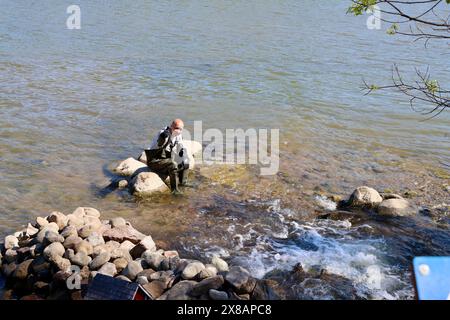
column 84, row 246
column 153, row 259
column 146, row 183
column 132, row 269
column 395, row 207
column 122, row 184
column 108, row 269
column 192, row 269
column 129, row 166
column 11, row 242
column 146, row 244
column 365, row 196
column 23, row 270
column 155, row 288
column 179, row 291
column 120, row 234
column 240, row 279
column 55, row 249
column 205, row 285
column 220, row 264
column 120, row 263
column 100, row 260
column 217, row 295
column 59, row 218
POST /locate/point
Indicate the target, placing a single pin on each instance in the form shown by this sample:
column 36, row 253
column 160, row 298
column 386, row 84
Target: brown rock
column 120, row 234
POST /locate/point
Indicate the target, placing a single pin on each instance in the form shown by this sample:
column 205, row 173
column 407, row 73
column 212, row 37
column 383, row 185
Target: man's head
column 177, row 127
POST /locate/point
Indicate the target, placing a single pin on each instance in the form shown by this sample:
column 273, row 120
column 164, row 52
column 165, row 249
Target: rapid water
column 74, row 102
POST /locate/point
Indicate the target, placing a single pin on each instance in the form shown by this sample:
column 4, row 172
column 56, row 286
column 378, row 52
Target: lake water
column 74, row 102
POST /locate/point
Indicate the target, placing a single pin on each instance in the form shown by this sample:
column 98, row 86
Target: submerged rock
column 395, row 207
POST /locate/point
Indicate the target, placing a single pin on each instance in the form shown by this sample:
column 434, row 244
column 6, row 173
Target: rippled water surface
column 74, row 102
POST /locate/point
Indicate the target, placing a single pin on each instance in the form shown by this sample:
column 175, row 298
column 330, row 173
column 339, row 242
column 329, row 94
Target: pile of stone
column 39, row 261
column 386, row 204
column 138, row 178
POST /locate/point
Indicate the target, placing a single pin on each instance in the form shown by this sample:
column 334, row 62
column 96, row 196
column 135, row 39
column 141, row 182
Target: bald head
column 177, row 126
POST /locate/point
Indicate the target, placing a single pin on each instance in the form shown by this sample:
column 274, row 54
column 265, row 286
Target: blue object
column 432, row 275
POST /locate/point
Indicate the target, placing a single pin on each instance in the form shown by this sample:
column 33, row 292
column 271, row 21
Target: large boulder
column 129, row 166
column 395, row 207
column 365, row 197
column 146, row 183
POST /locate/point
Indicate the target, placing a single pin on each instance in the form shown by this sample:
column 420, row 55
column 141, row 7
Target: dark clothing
column 159, row 160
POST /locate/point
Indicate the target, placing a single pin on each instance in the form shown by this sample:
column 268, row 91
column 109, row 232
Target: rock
column 55, row 249
column 129, row 166
column 36, row 249
column 217, row 295
column 118, row 222
column 61, row 263
column 95, row 239
column 71, row 241
column 146, row 273
column 205, row 285
column 86, row 211
column 108, row 269
column 387, row 196
column 127, row 245
column 11, row 242
column 40, row 264
column 179, row 291
column 192, row 269
column 120, row 234
column 170, row 254
column 100, row 260
column 155, row 288
column 51, row 236
column 11, row 255
column 208, row 272
column 264, row 290
column 153, row 259
column 88, row 229
column 51, row 226
column 365, row 196
column 42, row 288
column 239, row 278
column 121, row 277
column 141, row 280
column 122, row 184
column 41, row 222
column 132, row 269
column 120, row 263
column 84, row 246
column 146, row 183
column 59, row 218
column 146, row 244
column 31, row 231
column 8, row 269
column 80, row 259
column 69, row 231
column 395, row 207
column 220, row 264
column 23, row 270
column 121, row 253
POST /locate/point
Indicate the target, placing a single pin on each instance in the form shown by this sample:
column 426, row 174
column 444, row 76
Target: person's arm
column 163, row 138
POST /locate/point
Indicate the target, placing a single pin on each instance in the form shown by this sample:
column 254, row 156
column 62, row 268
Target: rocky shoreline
column 39, row 260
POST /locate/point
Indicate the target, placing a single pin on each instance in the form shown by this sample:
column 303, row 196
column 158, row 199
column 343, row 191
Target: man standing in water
column 159, row 156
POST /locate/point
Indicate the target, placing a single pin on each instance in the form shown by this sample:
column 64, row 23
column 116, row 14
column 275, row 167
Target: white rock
column 11, row 242
column 395, row 207
column 220, row 264
column 129, row 166
column 146, row 183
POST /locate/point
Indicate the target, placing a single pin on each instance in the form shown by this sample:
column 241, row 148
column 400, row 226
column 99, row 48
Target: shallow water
column 73, row 102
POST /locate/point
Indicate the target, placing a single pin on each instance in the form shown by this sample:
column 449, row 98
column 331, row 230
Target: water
column 74, row 102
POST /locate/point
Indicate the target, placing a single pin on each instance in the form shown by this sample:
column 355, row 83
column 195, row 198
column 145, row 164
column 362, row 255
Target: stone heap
column 38, row 261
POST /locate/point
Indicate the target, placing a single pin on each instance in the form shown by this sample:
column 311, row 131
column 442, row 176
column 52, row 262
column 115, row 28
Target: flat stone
column 155, row 288
column 179, row 291
column 120, row 234
column 395, row 207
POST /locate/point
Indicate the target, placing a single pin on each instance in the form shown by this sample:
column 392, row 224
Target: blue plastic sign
column 432, row 275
